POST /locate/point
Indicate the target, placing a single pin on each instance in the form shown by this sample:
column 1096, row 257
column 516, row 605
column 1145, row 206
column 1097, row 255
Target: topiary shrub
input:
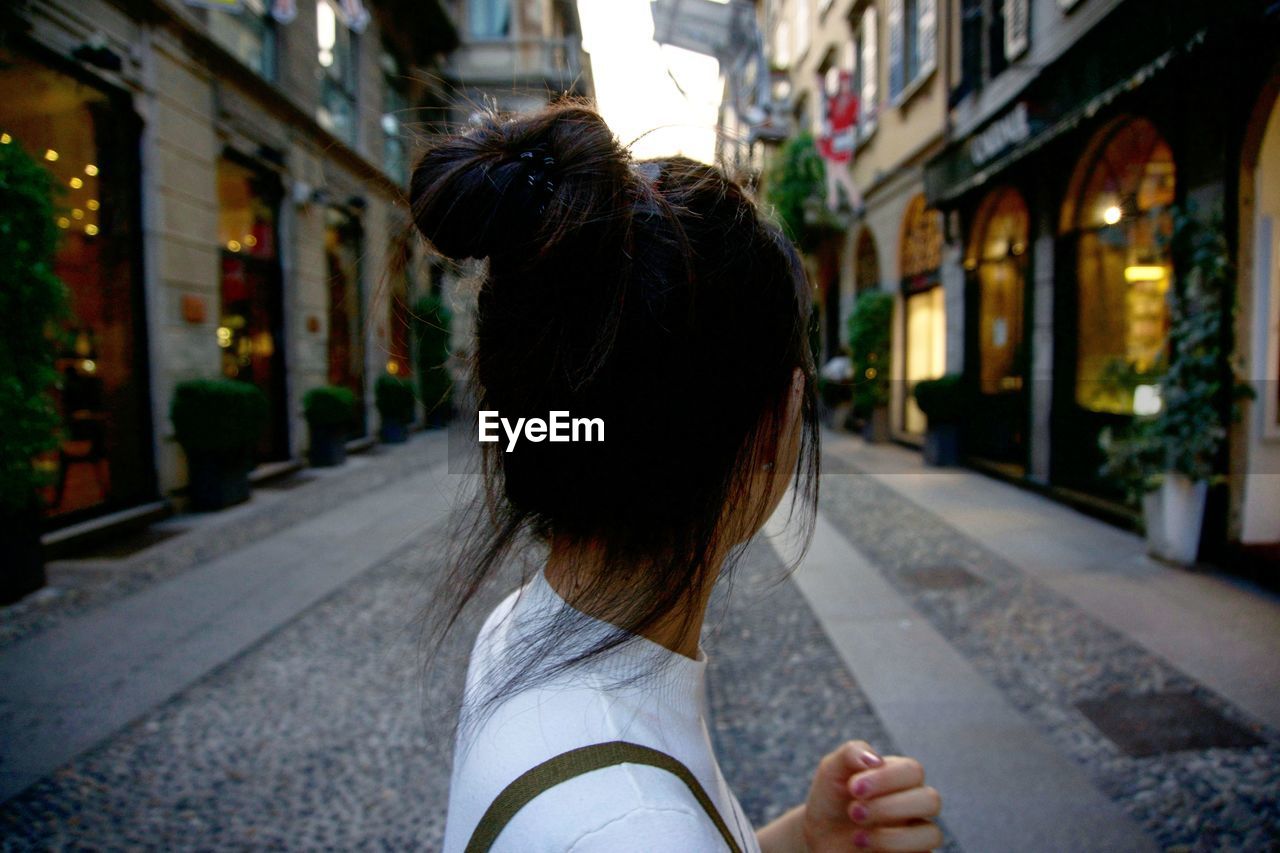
column 32, row 302
column 870, row 326
column 331, row 412
column 432, row 328
column 394, row 398
column 942, row 400
column 330, row 406
column 219, row 416
column 218, row 422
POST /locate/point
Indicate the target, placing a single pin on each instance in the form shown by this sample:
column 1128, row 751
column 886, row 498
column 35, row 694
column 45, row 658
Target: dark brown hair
column 655, row 296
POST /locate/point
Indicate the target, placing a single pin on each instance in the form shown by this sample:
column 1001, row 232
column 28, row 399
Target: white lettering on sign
column 1008, row 130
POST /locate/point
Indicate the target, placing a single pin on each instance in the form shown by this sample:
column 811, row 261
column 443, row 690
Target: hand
column 859, row 801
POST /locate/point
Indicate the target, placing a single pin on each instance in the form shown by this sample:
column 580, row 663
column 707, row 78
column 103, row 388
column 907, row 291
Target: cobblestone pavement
column 1046, row 655
column 323, row 737
column 76, row 585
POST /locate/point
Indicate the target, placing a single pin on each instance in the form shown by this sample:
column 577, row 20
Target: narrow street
column 254, row 678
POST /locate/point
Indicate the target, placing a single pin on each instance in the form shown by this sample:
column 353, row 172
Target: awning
column 1012, row 136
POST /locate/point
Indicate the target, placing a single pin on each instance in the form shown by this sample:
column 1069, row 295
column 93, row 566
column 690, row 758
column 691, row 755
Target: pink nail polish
column 861, row 840
column 860, row 788
column 871, row 759
column 859, row 813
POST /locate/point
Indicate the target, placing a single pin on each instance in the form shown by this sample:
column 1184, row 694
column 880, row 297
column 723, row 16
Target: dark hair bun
column 517, row 185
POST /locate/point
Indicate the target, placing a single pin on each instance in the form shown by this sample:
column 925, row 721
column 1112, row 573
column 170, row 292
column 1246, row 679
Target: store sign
column 1007, row 131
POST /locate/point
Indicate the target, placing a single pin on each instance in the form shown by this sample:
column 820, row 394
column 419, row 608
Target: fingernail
column 861, row 840
column 871, row 759
column 860, row 788
column 859, row 813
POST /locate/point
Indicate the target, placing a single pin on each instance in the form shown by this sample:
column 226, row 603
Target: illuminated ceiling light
column 91, row 230
column 92, row 204
column 64, row 222
column 77, row 214
column 224, row 336
column 233, row 245
column 250, row 240
column 1143, row 272
column 1111, row 215
column 5, row 139
column 91, row 170
column 89, row 365
column 50, row 155
column 76, row 183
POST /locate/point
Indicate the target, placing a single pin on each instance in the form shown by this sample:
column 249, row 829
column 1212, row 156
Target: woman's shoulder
column 627, row 807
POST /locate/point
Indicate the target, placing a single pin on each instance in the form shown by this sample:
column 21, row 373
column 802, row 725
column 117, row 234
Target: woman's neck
column 571, row 568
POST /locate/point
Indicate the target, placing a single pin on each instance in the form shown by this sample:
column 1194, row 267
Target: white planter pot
column 1175, row 518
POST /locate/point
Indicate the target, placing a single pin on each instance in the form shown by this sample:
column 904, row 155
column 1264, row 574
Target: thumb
column 850, row 757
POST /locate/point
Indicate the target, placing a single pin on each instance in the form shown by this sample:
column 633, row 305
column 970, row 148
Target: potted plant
column 32, row 302
column 218, row 422
column 1169, row 460
column 796, row 190
column 432, row 324
column 869, row 331
column 330, row 411
column 943, row 401
column 394, row 398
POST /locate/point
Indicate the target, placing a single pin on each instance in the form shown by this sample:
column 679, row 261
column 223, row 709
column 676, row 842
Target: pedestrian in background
column 617, row 290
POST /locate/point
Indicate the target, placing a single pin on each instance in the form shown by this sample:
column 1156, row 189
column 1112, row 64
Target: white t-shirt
column 623, row 808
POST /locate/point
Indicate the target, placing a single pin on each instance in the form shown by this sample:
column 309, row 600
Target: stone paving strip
column 1004, row 785
column 79, row 585
column 325, row 735
column 66, row 689
column 1052, row 660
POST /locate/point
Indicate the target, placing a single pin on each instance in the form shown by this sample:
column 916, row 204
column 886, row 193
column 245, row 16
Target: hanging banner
column 836, row 142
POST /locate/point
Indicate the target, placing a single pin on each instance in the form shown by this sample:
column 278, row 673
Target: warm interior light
column 224, row 337
column 92, row 204
column 1111, row 215
column 91, row 170
column 233, row 245
column 64, row 222
column 89, row 365
column 91, row 230
column 5, row 139
column 1143, row 272
column 250, row 240
column 76, row 183
column 393, row 368
column 77, row 214
column 50, row 155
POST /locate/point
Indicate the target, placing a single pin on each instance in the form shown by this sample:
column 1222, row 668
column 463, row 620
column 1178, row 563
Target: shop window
column 997, row 258
column 251, row 311
column 88, row 142
column 343, row 240
column 489, row 19
column 248, row 32
column 338, row 55
column 400, row 276
column 1117, row 207
column 866, row 263
column 925, row 328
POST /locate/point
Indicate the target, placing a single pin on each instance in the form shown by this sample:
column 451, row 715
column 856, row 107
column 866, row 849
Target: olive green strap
column 573, row 763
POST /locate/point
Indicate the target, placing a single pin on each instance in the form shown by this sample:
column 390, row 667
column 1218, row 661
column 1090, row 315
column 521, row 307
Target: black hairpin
column 540, row 174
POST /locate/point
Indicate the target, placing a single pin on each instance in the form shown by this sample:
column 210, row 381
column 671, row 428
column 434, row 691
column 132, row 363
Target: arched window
column 1117, row 207
column 920, row 257
column 866, row 270
column 997, row 256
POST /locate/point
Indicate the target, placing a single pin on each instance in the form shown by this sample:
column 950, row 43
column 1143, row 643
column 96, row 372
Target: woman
column 654, row 299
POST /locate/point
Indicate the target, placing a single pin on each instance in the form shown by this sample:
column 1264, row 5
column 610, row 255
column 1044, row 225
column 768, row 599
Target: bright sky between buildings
column 639, row 83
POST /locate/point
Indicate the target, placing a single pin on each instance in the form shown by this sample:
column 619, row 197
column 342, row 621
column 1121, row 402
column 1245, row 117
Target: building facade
column 896, row 52
column 1077, row 129
column 232, row 179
